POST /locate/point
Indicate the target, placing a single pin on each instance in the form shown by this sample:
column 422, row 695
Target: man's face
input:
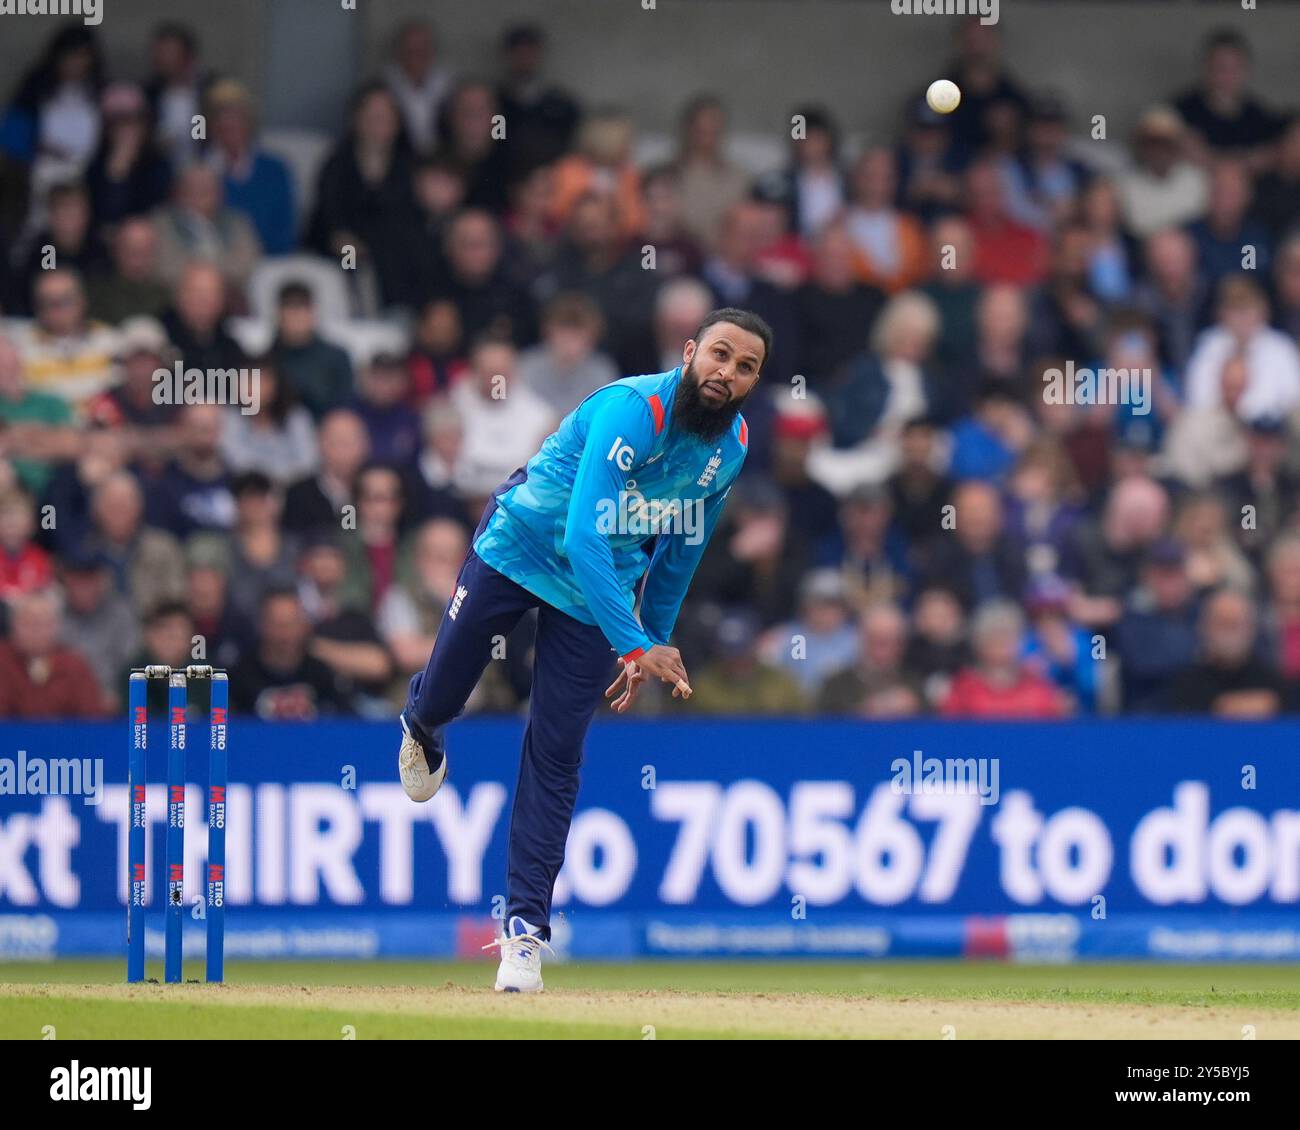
column 719, row 371
column 60, row 307
column 135, row 250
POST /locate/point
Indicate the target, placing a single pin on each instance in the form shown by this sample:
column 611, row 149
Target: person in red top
column 1005, row 251
column 24, row 565
column 999, row 684
column 39, row 677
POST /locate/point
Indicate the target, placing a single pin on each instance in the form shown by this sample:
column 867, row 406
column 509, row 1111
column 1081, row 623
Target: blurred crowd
column 920, row 528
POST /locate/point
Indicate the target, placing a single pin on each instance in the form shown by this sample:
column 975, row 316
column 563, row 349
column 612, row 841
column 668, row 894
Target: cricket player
column 629, row 487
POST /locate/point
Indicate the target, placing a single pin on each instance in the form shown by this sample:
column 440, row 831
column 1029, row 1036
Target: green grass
column 316, row 1000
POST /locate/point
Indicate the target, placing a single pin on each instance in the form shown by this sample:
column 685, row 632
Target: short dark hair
column 295, row 292
column 746, row 320
column 1226, row 37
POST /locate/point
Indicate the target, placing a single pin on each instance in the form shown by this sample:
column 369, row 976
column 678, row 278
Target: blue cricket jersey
column 611, row 477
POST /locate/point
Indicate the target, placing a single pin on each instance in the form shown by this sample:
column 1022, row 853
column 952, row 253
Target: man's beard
column 694, row 414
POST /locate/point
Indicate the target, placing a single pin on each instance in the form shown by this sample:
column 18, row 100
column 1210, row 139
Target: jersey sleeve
column 675, row 559
column 619, row 438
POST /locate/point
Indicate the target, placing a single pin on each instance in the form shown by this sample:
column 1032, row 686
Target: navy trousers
column 573, row 663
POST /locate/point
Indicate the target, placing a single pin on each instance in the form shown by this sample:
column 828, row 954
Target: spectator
column 383, row 404
column 739, row 680
column 1227, row 230
column 68, row 240
column 1222, row 113
column 65, row 353
column 814, row 180
column 1112, row 253
column 1283, row 608
column 1260, row 498
column 343, row 637
column 680, row 306
column 1205, row 443
column 1104, row 554
column 984, row 81
column 1068, row 316
column 489, row 298
column 147, row 563
column 998, row 684
column 1277, row 194
column 1043, row 183
column 594, row 259
column 821, row 639
column 373, row 553
column 319, row 499
column 143, row 350
column 419, row 268
column 411, row 612
column 168, row 639
column 1006, row 251
column 709, row 184
column 175, row 89
column 277, row 438
column 1044, row 505
column 199, row 227
column 602, row 165
column 1228, row 679
column 192, row 492
column 31, row 423
column 835, row 309
column 979, row 558
column 24, row 566
column 878, row 683
column 1163, row 188
column 128, row 176
column 732, row 274
column 437, row 358
column 919, row 490
column 253, row 181
column 195, row 322
column 676, row 251
column 1286, row 286
column 98, row 620
column 954, row 292
column 1175, row 294
column 1157, row 631
column 435, row 490
column 54, row 117
column 281, row 680
column 870, row 400
column 1213, row 558
column 317, row 372
column 365, row 184
column 937, row 649
column 466, row 136
column 812, row 508
column 262, row 555
column 129, row 287
column 872, row 554
column 418, row 81
column 226, row 633
column 891, row 245
column 1272, row 360
column 40, row 677
column 566, row 366
column 542, row 117
column 505, row 421
column 930, row 163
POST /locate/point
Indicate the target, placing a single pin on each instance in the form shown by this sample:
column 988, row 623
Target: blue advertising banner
column 1176, row 840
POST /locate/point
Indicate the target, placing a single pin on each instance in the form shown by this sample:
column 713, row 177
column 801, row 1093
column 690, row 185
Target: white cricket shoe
column 413, row 767
column 521, row 958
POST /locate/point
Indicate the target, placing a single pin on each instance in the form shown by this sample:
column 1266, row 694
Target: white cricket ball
column 943, row 96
